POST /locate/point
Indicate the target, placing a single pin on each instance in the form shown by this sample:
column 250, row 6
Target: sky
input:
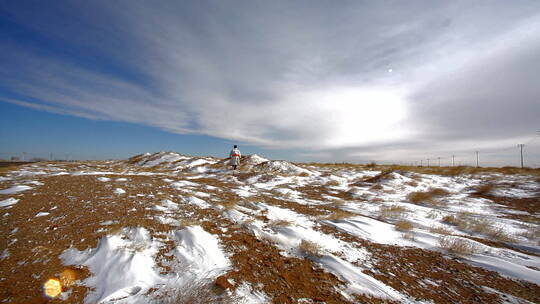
column 358, row 81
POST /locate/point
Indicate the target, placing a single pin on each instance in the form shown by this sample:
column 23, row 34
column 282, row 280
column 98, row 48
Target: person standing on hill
column 235, row 157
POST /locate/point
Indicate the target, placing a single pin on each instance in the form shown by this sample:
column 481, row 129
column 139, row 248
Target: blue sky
column 41, row 134
column 384, row 81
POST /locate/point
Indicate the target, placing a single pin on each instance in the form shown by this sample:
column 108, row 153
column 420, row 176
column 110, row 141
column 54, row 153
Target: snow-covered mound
column 152, row 160
column 249, row 161
column 281, row 166
column 172, row 160
column 124, row 268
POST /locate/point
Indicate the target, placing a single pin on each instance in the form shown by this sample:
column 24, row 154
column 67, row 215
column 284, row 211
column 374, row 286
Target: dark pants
column 234, row 167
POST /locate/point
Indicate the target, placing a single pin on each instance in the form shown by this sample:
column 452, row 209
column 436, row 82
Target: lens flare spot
column 52, row 288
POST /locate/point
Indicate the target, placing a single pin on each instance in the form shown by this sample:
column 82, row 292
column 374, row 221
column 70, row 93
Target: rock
column 223, row 282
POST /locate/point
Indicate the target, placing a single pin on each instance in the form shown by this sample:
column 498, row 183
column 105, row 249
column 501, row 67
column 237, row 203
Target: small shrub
column 438, row 192
column 500, row 234
column 377, row 178
column 338, row 203
column 404, row 225
column 303, row 174
column 478, row 226
column 439, row 230
column 450, row 220
column 377, row 200
column 532, row 233
column 457, row 245
column 428, row 196
column 433, row 214
column 391, row 211
column 310, row 248
column 376, row 187
column 485, row 189
column 333, row 182
column 371, row 165
column 419, row 197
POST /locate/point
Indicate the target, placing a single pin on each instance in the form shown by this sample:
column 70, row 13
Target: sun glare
column 360, row 116
column 52, row 288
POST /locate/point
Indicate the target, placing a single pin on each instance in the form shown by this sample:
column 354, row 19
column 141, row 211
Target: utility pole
column 453, row 157
column 477, row 158
column 439, row 161
column 24, row 156
column 521, row 152
column 421, row 163
column 428, row 162
column 50, row 157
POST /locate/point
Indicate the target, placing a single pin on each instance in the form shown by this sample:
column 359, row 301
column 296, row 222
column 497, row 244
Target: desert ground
column 172, row 228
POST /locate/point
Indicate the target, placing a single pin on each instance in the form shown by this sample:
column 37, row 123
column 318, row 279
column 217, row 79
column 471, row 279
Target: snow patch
column 124, row 269
column 197, row 202
column 8, row 202
column 15, row 189
column 119, row 191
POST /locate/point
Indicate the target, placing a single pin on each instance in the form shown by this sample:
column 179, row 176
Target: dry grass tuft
column 228, row 205
column 254, row 198
column 420, row 197
column 376, row 187
column 339, row 215
column 371, row 165
column 457, row 245
column 198, row 291
column 485, row 227
column 412, row 183
column 392, row 211
column 484, row 189
column 310, row 248
column 433, row 214
column 451, row 220
column 426, row 197
column 281, row 223
column 303, row 174
column 438, row 192
column 377, row 200
column 377, row 178
column 338, row 203
column 478, row 226
column 333, row 182
column 439, row 230
column 404, row 225
column 531, row 233
column 188, row 222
